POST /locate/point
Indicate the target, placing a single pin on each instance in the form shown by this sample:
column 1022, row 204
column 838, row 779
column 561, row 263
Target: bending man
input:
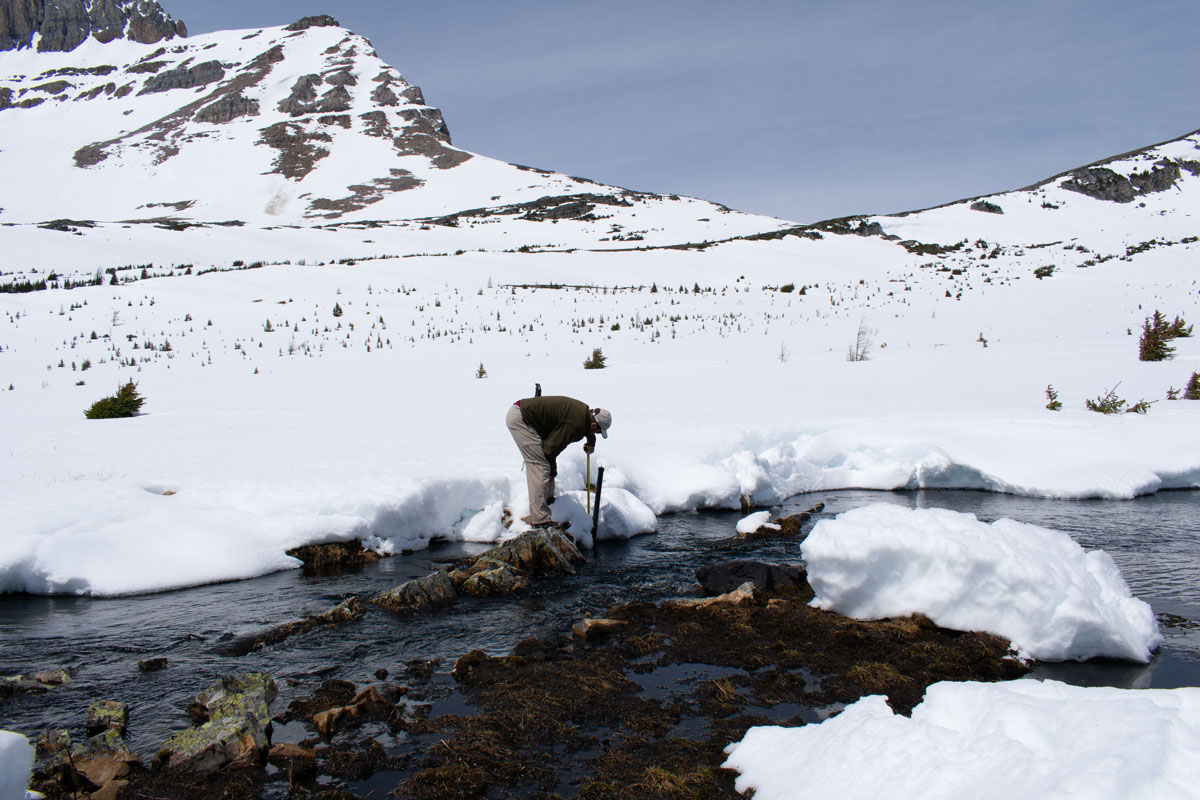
column 542, row 427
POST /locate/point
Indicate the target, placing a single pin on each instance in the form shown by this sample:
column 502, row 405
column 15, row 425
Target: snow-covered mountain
column 111, row 118
column 189, row 213
column 294, row 125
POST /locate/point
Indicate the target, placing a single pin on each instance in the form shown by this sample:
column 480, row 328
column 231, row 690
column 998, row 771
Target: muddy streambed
column 1155, row 540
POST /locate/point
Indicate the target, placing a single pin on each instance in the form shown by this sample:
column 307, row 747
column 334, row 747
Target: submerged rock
column 589, row 629
column 349, row 609
column 35, row 683
column 234, row 719
column 785, row 527
column 420, row 594
column 720, row 578
column 366, row 706
column 299, row 762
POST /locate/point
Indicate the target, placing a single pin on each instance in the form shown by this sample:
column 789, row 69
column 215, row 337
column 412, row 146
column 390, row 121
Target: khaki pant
column 537, row 466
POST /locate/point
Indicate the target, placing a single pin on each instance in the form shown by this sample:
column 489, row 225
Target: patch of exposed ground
column 601, row 714
column 363, row 195
column 644, row 709
column 224, row 103
column 299, row 148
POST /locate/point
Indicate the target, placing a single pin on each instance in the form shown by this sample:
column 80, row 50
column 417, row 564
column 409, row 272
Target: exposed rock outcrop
column 363, row 195
column 228, row 108
column 233, row 716
column 184, row 78
column 63, row 25
column 319, row 21
column 299, row 148
column 166, row 132
column 98, row 765
column 107, row 715
column 1103, row 183
column 986, row 207
column 556, row 207
column 333, row 557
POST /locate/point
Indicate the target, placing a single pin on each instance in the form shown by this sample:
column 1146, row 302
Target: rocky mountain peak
column 63, row 25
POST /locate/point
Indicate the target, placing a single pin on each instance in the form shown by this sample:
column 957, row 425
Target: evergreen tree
column 1192, row 390
column 1154, row 344
column 596, row 361
column 125, row 403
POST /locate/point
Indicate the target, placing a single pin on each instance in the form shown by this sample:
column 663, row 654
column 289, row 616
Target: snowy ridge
column 302, row 124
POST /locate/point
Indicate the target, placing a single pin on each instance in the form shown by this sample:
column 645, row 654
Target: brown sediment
column 598, row 718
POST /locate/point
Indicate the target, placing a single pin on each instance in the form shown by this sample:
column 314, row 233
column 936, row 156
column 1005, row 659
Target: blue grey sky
column 802, row 110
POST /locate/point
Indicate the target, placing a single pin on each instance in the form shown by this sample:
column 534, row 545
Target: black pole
column 596, row 508
column 537, row 390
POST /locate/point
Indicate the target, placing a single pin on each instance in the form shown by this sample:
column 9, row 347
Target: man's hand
column 589, row 448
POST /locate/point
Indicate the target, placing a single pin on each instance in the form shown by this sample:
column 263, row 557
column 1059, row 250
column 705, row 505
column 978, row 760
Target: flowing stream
column 1155, row 540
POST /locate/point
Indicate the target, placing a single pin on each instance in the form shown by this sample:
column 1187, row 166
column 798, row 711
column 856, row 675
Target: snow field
column 986, row 740
column 373, row 423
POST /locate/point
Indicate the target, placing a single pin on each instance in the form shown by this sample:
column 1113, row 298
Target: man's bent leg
column 537, row 467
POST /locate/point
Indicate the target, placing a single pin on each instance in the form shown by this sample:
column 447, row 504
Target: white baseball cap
column 603, row 419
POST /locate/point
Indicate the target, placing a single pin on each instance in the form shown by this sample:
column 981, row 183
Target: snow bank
column 1031, row 585
column 622, row 516
column 987, row 741
column 16, row 762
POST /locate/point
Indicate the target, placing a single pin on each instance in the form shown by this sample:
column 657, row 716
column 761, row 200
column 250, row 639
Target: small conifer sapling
column 597, row 360
column 125, row 403
column 1192, row 390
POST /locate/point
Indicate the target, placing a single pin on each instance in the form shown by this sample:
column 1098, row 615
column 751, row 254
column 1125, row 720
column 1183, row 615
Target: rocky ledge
column 66, row 24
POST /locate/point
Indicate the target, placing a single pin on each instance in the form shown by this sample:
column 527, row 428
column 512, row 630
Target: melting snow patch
column 986, row 741
column 759, row 519
column 1034, row 586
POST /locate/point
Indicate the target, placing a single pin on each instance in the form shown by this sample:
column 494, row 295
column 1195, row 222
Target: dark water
column 1155, row 540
